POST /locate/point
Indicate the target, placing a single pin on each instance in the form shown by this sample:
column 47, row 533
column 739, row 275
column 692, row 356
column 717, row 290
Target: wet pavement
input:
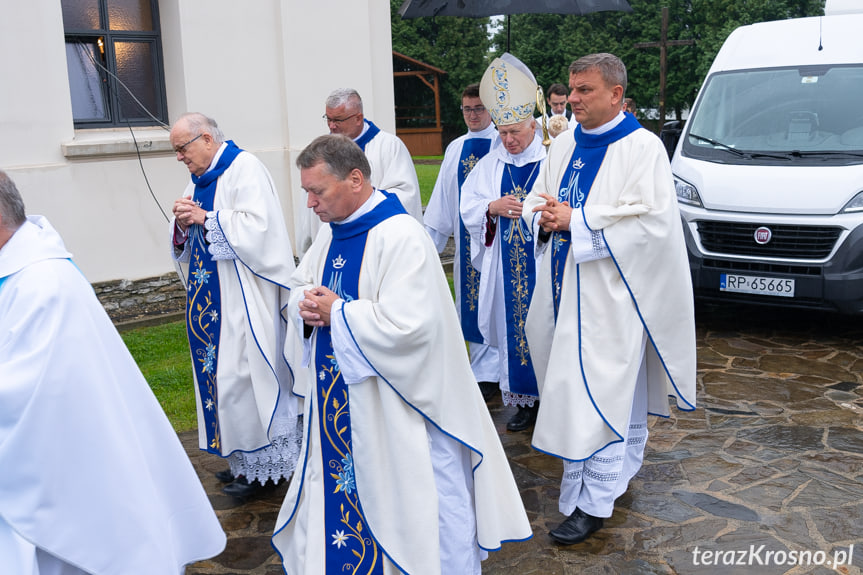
column 765, row 476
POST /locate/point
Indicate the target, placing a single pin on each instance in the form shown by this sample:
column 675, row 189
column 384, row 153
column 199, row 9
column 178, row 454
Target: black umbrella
column 484, row 8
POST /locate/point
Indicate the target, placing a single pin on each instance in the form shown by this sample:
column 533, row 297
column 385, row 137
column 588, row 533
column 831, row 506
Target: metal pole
column 662, row 53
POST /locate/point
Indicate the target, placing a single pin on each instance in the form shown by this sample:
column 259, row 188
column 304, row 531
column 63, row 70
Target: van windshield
column 803, row 115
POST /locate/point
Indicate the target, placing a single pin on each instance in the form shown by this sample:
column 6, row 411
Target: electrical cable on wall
column 141, row 163
column 163, row 125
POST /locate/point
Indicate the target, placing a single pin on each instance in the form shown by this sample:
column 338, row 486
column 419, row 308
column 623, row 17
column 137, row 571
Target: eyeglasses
column 182, row 149
column 468, row 110
column 339, row 121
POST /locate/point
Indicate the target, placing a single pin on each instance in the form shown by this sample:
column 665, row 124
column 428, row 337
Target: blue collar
column 388, row 208
column 620, row 131
column 368, row 136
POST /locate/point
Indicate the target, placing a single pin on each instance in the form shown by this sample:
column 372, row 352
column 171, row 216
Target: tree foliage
column 548, row 43
column 459, row 46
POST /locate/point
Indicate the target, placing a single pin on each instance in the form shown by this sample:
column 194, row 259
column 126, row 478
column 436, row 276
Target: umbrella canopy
column 482, row 8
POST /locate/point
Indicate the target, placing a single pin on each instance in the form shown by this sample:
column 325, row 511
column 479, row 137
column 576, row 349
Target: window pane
column 130, row 15
column 81, row 15
column 135, row 69
column 85, row 82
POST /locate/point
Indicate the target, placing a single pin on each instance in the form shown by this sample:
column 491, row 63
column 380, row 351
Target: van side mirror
column 670, row 135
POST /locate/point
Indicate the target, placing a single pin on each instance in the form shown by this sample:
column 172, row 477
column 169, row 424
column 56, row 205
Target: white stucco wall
column 262, row 69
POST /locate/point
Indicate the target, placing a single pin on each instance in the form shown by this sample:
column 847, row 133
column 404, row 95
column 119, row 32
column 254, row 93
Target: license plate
column 756, row 285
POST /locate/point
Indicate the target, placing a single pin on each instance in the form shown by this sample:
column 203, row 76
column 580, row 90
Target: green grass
column 427, row 175
column 162, row 354
column 162, row 351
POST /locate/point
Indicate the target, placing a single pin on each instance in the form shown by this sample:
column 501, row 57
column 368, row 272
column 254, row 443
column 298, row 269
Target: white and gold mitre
column 508, row 90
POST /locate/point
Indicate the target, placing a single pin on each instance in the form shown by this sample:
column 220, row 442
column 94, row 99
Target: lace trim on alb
column 637, row 435
column 510, row 398
column 219, row 247
column 599, row 250
column 602, row 469
column 276, row 461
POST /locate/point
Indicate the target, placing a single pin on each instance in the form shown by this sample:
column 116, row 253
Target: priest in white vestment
column 501, row 244
column 611, row 325
column 233, row 251
column 392, row 166
column 94, row 479
column 403, row 470
column 443, row 220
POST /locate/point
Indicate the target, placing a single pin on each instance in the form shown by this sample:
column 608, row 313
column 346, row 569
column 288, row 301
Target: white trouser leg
column 484, row 361
column 636, row 438
column 593, row 485
column 459, row 552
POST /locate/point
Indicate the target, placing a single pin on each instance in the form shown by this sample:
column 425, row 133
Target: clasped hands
column 554, row 216
column 187, row 212
column 508, row 206
column 315, row 308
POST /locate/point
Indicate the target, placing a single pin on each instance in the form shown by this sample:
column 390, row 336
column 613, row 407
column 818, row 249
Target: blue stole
column 577, row 180
column 368, row 136
column 204, row 302
column 3, row 280
column 350, row 546
column 519, row 277
column 471, row 151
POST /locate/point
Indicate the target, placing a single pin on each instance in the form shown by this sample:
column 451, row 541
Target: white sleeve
column 438, row 238
column 393, row 171
column 352, row 363
column 586, row 244
column 441, row 215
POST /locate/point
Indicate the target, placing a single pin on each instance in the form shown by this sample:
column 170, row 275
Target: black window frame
column 112, row 90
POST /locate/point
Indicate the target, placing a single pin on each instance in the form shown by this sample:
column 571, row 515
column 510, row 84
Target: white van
column 769, row 168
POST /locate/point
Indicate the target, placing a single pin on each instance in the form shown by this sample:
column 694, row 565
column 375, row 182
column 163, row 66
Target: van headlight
column 854, row 206
column 686, row 193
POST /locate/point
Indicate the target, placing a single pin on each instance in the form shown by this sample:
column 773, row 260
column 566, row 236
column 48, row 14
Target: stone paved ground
column 772, row 457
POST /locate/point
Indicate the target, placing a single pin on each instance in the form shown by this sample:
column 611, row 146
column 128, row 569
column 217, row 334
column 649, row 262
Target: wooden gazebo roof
column 421, row 140
column 425, row 73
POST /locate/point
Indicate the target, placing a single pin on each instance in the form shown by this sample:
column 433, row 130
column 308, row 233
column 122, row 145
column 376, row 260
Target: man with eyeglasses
column 233, row 251
column 392, row 166
column 442, row 220
column 501, row 245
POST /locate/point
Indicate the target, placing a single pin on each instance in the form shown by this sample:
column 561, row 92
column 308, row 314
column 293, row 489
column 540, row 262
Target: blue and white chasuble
column 353, row 549
column 472, row 150
column 203, row 300
column 574, row 188
column 519, row 273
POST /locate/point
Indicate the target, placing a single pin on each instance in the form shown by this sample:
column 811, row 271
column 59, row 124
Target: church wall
column 263, row 69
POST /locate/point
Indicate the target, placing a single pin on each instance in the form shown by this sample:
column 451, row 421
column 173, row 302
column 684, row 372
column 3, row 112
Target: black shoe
column 524, row 418
column 225, row 476
column 241, row 488
column 576, row 528
column 489, row 389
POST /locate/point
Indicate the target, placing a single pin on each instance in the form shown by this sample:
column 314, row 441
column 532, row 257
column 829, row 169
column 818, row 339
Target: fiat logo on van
column 763, row 235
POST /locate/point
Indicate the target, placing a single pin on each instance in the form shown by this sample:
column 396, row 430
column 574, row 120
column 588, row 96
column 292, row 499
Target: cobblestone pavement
column 767, row 469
